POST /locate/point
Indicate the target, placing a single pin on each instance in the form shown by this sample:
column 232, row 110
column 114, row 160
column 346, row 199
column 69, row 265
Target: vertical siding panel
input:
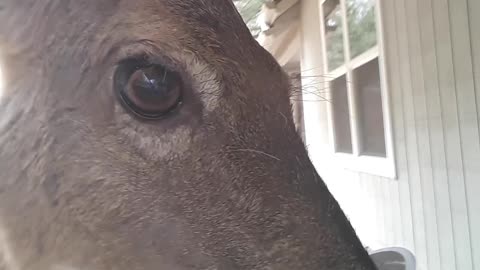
column 439, row 206
column 467, row 116
column 366, row 230
column 378, row 209
column 450, row 116
column 369, row 234
column 396, row 85
column 382, row 212
column 374, row 209
column 397, row 240
column 374, row 194
column 387, row 240
column 388, row 213
column 474, row 10
column 384, row 209
column 369, row 201
column 411, row 137
column 474, row 203
column 362, row 216
column 422, row 129
column 354, row 200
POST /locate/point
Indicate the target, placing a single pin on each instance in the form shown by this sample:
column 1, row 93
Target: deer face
column 154, row 134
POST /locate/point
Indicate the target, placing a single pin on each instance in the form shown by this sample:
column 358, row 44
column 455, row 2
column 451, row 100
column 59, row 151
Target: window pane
column 361, row 25
column 333, row 33
column 341, row 116
column 370, row 111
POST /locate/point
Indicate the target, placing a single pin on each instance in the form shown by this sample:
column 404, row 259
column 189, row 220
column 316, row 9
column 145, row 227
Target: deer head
column 154, row 134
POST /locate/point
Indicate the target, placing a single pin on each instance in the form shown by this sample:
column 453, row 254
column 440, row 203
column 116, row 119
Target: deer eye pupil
column 150, row 91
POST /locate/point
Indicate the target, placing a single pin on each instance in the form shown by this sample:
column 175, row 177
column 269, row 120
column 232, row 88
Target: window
column 358, row 107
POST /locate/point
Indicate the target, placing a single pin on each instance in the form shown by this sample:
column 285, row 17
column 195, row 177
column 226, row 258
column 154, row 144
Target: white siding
column 433, row 68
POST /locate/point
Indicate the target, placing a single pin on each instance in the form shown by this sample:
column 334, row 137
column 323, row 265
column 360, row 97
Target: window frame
column 374, row 165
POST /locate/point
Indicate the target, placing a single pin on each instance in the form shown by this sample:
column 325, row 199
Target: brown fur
column 225, row 183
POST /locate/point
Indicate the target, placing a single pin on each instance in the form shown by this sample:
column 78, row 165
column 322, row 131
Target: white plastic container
column 394, row 258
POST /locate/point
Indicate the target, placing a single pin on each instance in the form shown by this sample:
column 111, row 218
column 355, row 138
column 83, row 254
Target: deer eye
column 147, row 90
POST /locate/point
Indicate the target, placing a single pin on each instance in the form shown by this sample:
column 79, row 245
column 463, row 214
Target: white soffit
column 270, row 13
column 282, row 40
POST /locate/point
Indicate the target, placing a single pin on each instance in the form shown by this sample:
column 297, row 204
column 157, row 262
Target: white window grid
column 381, row 166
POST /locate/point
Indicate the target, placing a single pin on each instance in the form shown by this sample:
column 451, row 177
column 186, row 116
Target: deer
column 155, row 135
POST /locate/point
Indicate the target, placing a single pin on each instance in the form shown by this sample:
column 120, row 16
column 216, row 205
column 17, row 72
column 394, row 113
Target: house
column 391, row 116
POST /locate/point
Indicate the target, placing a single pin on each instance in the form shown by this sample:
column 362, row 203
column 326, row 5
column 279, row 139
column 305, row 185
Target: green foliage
column 250, row 9
column 335, row 52
column 361, row 26
column 361, row 23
